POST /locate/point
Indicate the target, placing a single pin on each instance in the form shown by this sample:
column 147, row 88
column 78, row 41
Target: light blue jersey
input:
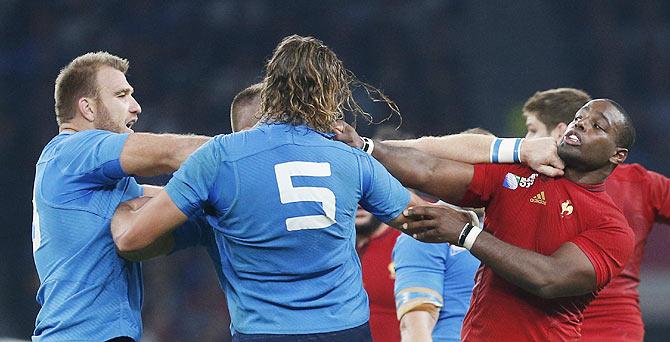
column 87, row 292
column 284, row 201
column 441, row 274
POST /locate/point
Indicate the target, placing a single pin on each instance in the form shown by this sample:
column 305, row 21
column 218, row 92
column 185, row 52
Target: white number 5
column 289, row 194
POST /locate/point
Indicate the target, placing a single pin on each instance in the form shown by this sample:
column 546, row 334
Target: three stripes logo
column 539, row 198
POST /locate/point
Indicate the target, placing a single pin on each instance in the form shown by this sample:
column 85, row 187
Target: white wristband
column 472, row 236
column 505, row 150
column 368, row 145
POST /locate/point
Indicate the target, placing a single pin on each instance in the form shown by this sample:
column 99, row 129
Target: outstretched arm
column 147, row 154
column 540, row 154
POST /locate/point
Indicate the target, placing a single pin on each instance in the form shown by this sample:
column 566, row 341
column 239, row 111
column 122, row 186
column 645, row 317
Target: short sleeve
column 93, row 156
column 194, row 232
column 382, row 195
column 191, row 185
column 658, row 190
column 420, row 269
column 608, row 248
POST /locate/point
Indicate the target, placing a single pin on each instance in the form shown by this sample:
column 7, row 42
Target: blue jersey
column 283, row 201
column 440, row 274
column 87, row 291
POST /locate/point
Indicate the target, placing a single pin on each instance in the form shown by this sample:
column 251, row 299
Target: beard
column 575, row 158
column 104, row 120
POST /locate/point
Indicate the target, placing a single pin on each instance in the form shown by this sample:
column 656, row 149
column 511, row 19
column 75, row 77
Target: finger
column 420, row 210
column 557, row 163
column 549, row 171
column 418, row 226
column 432, row 236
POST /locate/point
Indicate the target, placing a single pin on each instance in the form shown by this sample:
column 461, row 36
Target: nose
column 579, row 123
column 135, row 106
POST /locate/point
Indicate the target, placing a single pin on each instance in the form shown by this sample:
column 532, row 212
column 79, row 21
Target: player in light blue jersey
column 283, row 199
column 87, row 292
column 434, row 283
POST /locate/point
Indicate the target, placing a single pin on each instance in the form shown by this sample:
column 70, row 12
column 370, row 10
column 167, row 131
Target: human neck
column 588, row 177
column 74, row 126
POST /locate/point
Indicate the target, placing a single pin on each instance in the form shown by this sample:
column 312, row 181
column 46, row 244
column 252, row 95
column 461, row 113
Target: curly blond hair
column 305, row 83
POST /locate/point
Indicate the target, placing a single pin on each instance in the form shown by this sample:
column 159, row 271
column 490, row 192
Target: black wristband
column 464, row 234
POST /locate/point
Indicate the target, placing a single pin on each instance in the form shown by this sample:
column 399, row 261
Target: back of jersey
column 284, row 199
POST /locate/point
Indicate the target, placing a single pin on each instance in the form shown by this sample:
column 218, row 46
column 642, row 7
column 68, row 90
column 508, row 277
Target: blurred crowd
column 449, row 65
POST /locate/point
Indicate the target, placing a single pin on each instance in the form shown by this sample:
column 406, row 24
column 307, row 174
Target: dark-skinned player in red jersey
column 549, row 244
column 642, row 195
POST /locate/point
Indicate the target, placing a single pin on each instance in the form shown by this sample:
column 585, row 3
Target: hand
column 347, row 134
column 541, row 154
column 435, row 223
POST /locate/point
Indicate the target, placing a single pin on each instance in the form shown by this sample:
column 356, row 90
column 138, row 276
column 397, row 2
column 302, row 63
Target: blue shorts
column 360, row 333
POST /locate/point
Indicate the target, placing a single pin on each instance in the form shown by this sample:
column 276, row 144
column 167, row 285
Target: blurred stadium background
column 450, row 65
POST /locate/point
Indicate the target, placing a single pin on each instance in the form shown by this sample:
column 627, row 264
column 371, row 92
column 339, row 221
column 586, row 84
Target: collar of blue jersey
column 299, row 128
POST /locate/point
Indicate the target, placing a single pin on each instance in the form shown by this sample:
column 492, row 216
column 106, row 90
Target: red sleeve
column 608, row 247
column 658, row 190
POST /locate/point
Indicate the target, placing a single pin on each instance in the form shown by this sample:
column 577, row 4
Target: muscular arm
column 135, row 229
column 540, row 154
column 417, row 326
column 147, row 154
column 567, row 272
column 443, row 178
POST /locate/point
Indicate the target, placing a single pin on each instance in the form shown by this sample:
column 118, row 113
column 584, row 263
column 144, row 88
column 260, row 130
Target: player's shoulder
column 629, row 172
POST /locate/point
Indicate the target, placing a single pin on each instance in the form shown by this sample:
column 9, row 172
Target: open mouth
column 571, row 138
column 130, row 123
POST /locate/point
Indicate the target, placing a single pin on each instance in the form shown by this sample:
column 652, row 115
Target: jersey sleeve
column 487, row 179
column 658, row 190
column 194, row 232
column 608, row 247
column 419, row 271
column 94, row 156
column 190, row 187
column 382, row 195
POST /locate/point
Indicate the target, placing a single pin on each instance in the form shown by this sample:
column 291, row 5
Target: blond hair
column 78, row 79
column 306, row 83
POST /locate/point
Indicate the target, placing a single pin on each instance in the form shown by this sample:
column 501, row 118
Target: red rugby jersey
column 644, row 198
column 378, row 278
column 540, row 214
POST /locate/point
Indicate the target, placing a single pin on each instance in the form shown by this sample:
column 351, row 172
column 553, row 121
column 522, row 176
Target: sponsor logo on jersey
column 566, row 208
column 513, row 181
column 539, row 199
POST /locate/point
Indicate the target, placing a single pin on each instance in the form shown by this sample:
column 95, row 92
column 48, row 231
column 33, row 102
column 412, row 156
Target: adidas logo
column 539, row 199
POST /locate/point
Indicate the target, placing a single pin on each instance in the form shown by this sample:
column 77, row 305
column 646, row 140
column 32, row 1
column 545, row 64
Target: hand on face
column 347, row 134
column 435, row 223
column 541, row 154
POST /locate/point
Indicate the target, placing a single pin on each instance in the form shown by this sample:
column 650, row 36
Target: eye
column 596, row 126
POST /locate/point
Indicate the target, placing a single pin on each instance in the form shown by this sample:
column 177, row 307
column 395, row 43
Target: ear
column 87, row 108
column 620, row 156
column 558, row 131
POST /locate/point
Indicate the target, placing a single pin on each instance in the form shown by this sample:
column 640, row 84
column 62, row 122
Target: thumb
column 550, row 171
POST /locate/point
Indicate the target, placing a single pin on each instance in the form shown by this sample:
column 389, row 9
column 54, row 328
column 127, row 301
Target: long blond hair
column 306, row 83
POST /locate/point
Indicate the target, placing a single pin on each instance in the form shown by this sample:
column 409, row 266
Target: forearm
column 417, row 326
column 162, row 246
column 415, row 169
column 541, row 275
column 465, row 148
column 147, row 154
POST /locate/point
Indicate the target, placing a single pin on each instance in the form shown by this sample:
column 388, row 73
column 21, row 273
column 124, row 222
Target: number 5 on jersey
column 290, row 194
